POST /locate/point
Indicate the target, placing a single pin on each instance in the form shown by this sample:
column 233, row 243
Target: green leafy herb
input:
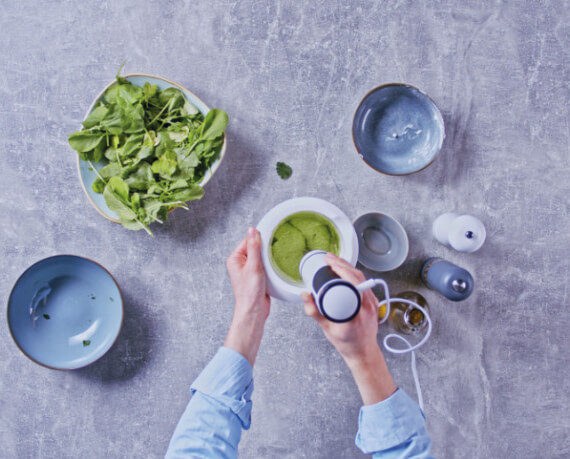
column 284, row 170
column 157, row 147
column 47, row 317
column 86, row 342
column 85, row 141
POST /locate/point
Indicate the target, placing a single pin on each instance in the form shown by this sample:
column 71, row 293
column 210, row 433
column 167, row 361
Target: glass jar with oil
column 405, row 318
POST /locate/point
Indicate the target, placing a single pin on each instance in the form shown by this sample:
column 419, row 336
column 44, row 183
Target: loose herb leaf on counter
column 284, row 170
column 157, row 147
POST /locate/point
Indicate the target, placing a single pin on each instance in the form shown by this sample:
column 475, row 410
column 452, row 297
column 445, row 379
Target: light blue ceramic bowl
column 65, row 312
column 88, row 176
column 382, row 241
column 397, row 129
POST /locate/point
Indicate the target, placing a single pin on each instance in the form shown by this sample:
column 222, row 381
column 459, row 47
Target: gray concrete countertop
column 495, row 373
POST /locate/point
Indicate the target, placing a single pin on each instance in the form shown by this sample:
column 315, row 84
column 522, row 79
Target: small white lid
column 466, row 234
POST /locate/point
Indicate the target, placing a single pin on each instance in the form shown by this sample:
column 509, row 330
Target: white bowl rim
column 278, row 287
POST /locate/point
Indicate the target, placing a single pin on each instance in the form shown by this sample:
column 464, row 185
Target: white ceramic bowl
column 278, row 287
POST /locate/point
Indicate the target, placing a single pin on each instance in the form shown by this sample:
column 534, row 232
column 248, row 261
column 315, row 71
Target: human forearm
column 244, row 336
column 252, row 301
column 391, row 425
column 372, row 376
column 221, row 403
column 356, row 341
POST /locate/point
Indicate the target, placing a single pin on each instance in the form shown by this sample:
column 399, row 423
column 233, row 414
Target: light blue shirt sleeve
column 393, row 428
column 219, row 409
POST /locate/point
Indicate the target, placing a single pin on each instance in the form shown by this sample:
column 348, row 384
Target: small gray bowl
column 382, row 241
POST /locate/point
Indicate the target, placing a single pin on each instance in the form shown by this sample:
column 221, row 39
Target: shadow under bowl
column 65, row 312
column 397, row 129
column 382, row 241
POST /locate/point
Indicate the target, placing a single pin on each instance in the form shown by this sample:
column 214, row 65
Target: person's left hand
column 247, row 276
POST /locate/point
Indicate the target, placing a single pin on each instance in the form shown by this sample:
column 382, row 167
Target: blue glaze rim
column 82, row 166
column 43, row 260
column 386, row 85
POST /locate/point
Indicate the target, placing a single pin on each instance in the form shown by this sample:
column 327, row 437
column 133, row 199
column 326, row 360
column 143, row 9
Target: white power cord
column 410, row 348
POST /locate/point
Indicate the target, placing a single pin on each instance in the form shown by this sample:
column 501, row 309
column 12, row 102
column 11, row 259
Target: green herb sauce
column 295, row 236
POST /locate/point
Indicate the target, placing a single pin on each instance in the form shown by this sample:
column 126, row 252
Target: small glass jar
column 405, row 318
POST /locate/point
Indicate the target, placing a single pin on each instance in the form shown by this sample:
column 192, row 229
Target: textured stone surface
column 290, row 74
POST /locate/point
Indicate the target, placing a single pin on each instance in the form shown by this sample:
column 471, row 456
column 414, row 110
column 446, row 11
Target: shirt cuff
column 228, row 378
column 388, row 423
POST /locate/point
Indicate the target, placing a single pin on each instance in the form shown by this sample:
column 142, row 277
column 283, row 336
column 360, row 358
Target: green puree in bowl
column 298, row 234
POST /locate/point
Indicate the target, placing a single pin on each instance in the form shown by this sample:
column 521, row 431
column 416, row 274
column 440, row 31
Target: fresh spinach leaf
column 110, row 170
column 284, row 170
column 192, row 192
column 95, row 116
column 119, row 188
column 166, row 165
column 141, row 178
column 85, row 141
column 98, row 185
column 98, row 152
column 132, row 146
column 114, row 119
column 214, row 124
column 149, row 91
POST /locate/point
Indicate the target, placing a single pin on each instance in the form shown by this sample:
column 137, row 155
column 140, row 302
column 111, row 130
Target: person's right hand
column 353, row 339
column 356, row 340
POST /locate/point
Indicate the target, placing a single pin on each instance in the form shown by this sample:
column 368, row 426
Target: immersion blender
column 339, row 301
column 336, row 299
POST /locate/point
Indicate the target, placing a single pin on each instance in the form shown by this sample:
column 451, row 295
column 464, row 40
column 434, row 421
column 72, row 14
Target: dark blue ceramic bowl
column 397, row 129
column 65, row 312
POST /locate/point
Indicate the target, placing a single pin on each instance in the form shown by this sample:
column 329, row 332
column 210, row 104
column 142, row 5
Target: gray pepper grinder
column 452, row 281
